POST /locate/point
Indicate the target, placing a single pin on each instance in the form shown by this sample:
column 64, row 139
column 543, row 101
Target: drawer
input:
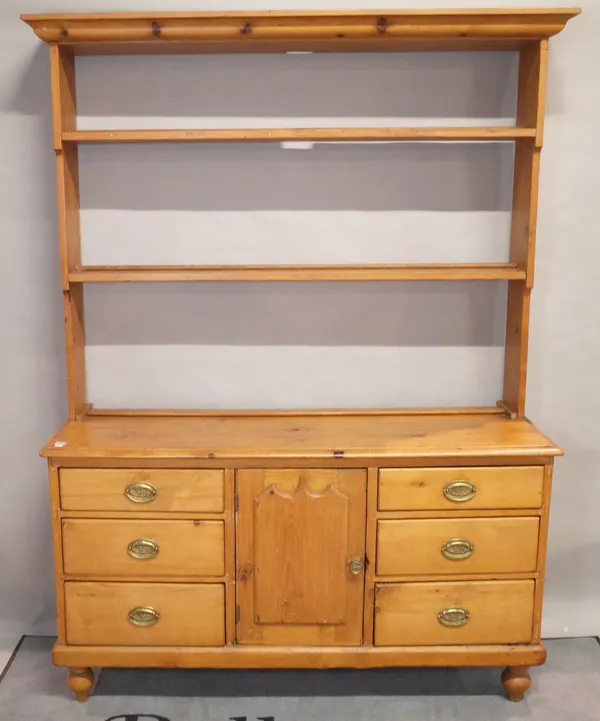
column 424, row 489
column 457, row 545
column 143, row 548
column 124, row 489
column 145, row 614
column 469, row 612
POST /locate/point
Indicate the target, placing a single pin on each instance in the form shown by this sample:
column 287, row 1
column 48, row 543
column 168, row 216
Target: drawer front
column 470, row 612
column 124, row 489
column 457, row 545
column 94, row 547
column 424, row 489
column 145, row 614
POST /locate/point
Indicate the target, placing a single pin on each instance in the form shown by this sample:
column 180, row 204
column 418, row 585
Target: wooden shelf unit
column 526, row 30
column 244, row 477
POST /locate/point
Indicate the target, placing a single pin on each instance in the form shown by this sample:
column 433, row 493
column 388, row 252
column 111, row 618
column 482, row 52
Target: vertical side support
column 542, row 550
column 59, row 581
column 230, row 575
column 370, row 553
column 64, row 116
column 530, row 113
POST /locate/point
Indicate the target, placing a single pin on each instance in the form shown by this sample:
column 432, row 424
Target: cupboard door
column 300, row 556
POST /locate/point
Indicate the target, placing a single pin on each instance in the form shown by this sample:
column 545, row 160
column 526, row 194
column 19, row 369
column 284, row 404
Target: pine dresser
column 301, row 539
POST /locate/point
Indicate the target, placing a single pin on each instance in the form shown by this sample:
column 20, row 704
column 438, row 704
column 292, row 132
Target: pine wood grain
column 496, row 488
column 531, row 98
column 297, row 412
column 75, row 351
column 379, row 44
column 309, row 273
column 294, row 657
column 168, row 578
column 190, row 614
column 289, row 437
column 516, row 348
column 59, row 590
column 103, row 489
column 370, row 555
column 542, row 552
column 296, row 534
column 500, row 612
column 67, row 187
column 230, row 575
column 447, row 577
column 305, row 462
column 276, row 135
column 98, row 547
column 455, row 513
column 64, row 116
column 531, row 89
column 501, row 545
column 327, row 30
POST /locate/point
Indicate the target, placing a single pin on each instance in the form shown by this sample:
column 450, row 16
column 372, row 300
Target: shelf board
column 298, row 134
column 281, row 31
column 266, row 273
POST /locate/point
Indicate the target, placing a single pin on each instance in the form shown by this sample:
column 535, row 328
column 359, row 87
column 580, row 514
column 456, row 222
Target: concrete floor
column 567, row 688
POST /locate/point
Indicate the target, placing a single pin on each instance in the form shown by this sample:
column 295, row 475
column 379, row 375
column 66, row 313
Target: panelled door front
column 300, row 556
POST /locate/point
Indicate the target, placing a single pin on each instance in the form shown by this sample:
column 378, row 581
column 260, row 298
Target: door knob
column 356, row 566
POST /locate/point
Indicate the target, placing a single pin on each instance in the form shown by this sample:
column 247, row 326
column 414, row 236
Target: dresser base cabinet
column 313, row 548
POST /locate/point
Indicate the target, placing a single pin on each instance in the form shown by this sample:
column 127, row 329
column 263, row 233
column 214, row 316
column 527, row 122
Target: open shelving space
column 525, row 30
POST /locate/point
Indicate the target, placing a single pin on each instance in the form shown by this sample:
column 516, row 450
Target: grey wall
column 298, row 345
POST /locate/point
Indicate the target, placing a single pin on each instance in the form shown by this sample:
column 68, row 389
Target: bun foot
column 516, row 681
column 80, row 681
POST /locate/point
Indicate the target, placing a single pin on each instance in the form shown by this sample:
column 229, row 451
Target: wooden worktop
column 325, row 436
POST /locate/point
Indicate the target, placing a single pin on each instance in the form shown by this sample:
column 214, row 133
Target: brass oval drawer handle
column 143, row 616
column 454, row 617
column 140, row 492
column 460, row 491
column 457, row 548
column 143, row 549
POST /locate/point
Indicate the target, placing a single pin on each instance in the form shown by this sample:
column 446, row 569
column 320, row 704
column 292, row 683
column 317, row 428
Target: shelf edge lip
column 298, row 273
column 275, row 135
column 532, row 12
column 338, row 27
column 291, row 412
column 362, row 456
